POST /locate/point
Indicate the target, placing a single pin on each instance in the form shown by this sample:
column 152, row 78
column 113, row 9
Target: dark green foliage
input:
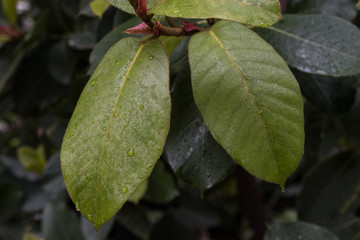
column 193, row 187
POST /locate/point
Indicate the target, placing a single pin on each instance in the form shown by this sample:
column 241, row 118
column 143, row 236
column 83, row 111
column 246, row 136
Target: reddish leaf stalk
column 156, row 28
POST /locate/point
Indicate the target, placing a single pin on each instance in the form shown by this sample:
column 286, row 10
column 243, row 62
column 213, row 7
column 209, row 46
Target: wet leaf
column 298, row 230
column 252, row 12
column 191, row 151
column 249, row 100
column 126, row 6
column 316, row 44
column 118, row 129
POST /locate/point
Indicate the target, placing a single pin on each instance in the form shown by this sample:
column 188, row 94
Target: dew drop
column 283, row 190
column 93, row 83
column 124, row 189
column 103, row 128
column 77, row 206
column 131, row 152
column 117, row 62
column 147, row 66
column 151, row 57
column 71, row 134
column 116, row 115
column 124, row 116
column 149, row 166
column 176, row 11
column 92, row 121
column 142, row 107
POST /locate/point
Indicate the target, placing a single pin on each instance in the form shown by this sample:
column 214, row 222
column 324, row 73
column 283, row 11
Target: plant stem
column 251, row 204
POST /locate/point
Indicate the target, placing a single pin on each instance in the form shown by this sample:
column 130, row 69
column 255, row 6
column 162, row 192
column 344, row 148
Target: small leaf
column 249, row 100
column 99, row 7
column 252, row 12
column 9, row 8
column 32, row 159
column 118, row 128
column 126, row 6
column 170, row 43
column 317, row 44
column 298, row 230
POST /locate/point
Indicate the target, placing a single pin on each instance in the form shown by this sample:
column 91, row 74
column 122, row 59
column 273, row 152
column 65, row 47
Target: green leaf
column 9, row 8
column 126, row 6
column 170, row 43
column 317, row 44
column 110, row 39
column 118, row 129
column 99, row 7
column 298, row 230
column 60, row 223
column 249, row 100
column 32, row 159
column 320, row 201
column 191, row 151
column 161, row 188
column 139, row 193
column 252, row 12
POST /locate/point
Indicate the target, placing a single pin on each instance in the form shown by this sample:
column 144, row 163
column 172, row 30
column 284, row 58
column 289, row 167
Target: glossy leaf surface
column 252, row 12
column 316, row 44
column 118, row 129
column 191, row 151
column 298, row 230
column 249, row 99
column 342, row 8
column 126, row 6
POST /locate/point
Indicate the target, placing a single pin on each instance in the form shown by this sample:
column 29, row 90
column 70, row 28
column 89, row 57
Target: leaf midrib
column 109, row 123
column 212, row 33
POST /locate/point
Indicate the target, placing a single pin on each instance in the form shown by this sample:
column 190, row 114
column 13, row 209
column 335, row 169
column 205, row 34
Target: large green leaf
column 191, row 151
column 298, row 230
column 249, row 99
column 318, row 44
column 252, row 12
column 126, row 6
column 118, row 129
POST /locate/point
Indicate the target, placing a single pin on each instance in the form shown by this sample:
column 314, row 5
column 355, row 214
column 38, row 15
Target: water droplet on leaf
column 149, row 166
column 124, row 189
column 124, row 116
column 142, row 107
column 151, row 57
column 93, row 83
column 131, row 152
column 116, row 115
